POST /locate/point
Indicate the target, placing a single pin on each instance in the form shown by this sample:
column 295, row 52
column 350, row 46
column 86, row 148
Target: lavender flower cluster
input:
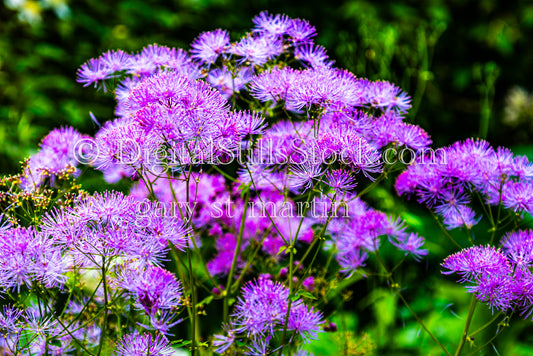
column 310, row 140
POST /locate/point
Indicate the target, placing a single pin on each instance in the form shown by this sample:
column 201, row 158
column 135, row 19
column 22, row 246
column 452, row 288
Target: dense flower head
column 112, row 225
column 500, row 278
column 27, row 257
column 111, row 64
column 301, row 31
column 471, row 262
column 153, row 288
column 256, row 50
column 261, row 311
column 519, row 247
column 122, row 148
column 227, row 82
column 314, row 56
column 60, row 151
column 143, row 345
column 95, row 71
column 411, row 244
column 325, row 86
column 275, row 25
column 209, row 45
column 357, row 231
column 444, row 178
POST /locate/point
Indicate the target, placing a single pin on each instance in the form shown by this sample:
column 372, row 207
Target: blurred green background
column 466, row 64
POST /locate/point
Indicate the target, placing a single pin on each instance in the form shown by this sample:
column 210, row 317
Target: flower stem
column 235, row 258
column 471, row 309
column 404, row 301
column 104, row 326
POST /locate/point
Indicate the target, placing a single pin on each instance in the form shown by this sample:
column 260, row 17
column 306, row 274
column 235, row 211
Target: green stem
column 486, row 325
column 471, row 310
column 104, row 326
column 193, row 296
column 235, row 258
column 422, row 323
column 404, row 301
column 448, row 235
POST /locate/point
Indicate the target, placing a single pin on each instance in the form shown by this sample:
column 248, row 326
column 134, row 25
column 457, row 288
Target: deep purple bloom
column 262, row 309
column 411, row 244
column 387, row 96
column 116, row 61
column 229, row 83
column 274, row 25
column 95, row 71
column 518, row 196
column 272, row 85
column 62, row 149
column 314, row 55
column 475, row 261
column 209, row 45
column 309, row 283
column 111, row 225
column 143, row 345
column 27, row 256
column 152, row 288
column 256, row 50
column 519, row 247
column 301, row 31
column 340, row 180
column 305, row 176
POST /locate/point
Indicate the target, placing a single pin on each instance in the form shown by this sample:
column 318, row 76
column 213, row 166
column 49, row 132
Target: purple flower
column 387, row 96
column 152, row 288
column 301, row 32
column 223, row 342
column 10, row 319
column 518, row 246
column 177, row 108
column 522, row 168
column 389, row 129
column 111, row 225
column 221, row 263
column 272, row 85
column 274, row 25
column 518, row 196
column 491, row 277
column 249, row 123
column 61, row 150
column 309, row 283
column 498, row 290
column 411, row 244
column 475, row 261
column 116, row 61
column 96, row 72
column 209, row 45
column 143, row 345
column 26, row 256
column 457, row 216
column 229, row 83
column 256, row 50
column 262, row 310
column 305, row 321
column 305, row 175
column 314, row 55
column 340, row 180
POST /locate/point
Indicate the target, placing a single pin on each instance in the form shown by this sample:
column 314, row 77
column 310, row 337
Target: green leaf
column 306, row 294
